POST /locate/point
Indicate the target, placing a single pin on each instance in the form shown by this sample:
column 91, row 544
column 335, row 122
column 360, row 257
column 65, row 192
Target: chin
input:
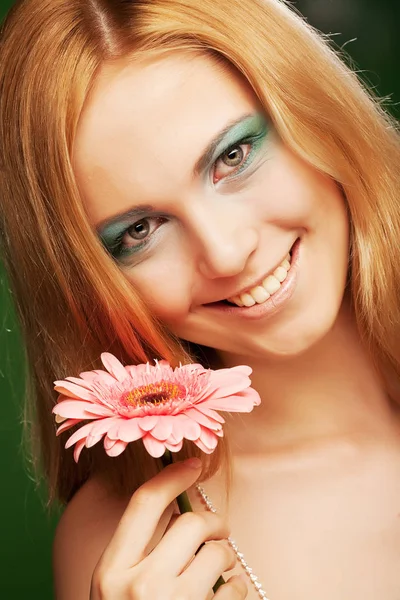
column 298, row 336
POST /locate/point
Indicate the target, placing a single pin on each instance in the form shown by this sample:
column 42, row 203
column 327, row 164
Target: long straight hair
column 72, row 300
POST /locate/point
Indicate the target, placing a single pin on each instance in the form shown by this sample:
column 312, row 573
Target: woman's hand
column 135, row 567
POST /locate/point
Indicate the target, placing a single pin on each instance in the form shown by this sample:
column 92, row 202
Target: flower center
column 155, row 393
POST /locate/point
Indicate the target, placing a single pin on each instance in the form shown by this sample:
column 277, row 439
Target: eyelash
column 119, row 251
column 254, row 142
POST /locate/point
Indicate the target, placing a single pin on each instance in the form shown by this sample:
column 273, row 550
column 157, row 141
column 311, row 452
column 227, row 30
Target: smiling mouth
column 265, row 289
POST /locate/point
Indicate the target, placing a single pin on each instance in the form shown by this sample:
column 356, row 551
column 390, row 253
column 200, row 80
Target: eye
column 139, row 230
column 135, row 237
column 231, row 161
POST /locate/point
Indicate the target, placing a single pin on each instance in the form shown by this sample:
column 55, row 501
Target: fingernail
column 193, row 463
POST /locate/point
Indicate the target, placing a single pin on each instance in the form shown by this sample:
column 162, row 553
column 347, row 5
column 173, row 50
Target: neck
column 331, row 391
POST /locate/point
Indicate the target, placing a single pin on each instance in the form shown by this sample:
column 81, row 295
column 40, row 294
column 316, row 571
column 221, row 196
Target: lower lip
column 275, row 303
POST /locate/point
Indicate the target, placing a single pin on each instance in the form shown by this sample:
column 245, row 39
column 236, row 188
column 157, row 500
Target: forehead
column 145, row 124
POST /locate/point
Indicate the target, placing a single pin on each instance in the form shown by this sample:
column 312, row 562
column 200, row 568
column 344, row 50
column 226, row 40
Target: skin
column 316, row 488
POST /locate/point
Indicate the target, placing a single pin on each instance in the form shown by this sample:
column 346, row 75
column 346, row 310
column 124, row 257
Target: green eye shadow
column 113, row 229
column 245, row 128
column 253, row 126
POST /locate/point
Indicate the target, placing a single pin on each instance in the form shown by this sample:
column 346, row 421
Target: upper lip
column 257, row 282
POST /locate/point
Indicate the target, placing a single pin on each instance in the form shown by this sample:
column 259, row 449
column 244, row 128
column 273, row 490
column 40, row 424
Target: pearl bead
column 240, row 556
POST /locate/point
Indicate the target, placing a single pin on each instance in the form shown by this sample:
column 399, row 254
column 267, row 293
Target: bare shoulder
column 84, row 531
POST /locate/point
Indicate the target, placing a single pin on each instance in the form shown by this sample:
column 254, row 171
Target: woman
column 208, row 180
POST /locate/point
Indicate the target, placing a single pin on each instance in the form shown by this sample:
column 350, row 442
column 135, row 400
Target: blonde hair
column 73, row 301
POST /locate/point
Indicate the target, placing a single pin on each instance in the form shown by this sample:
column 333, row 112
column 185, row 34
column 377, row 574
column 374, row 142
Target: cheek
column 292, row 194
column 165, row 283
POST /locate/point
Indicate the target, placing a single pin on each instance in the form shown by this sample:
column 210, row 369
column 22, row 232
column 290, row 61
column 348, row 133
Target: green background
column 26, row 528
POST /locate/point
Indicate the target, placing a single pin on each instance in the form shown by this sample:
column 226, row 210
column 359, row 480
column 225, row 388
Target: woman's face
column 195, row 196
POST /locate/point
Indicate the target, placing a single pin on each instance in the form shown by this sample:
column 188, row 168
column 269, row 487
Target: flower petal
column 88, row 375
column 85, row 430
column 136, row 370
column 208, row 438
column 98, row 429
column 205, row 416
column 117, row 448
column 78, row 449
column 192, row 368
column 80, row 409
column 113, row 366
column 126, row 430
column 154, row 447
column 91, row 440
column 81, row 382
column 212, row 414
column 186, row 427
column 203, row 447
column 225, row 382
column 244, row 369
column 98, row 375
column 163, row 368
column 172, row 447
column 163, row 428
column 108, row 443
column 72, row 390
column 67, row 425
column 243, row 402
column 175, row 439
column 148, row 422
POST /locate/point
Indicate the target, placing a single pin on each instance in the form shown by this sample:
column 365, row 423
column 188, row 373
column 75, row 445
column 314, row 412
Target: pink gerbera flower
column 158, row 404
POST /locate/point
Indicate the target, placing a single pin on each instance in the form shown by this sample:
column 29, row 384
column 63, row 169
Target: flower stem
column 185, row 506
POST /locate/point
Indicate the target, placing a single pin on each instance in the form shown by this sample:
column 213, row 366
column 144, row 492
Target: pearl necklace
column 249, row 571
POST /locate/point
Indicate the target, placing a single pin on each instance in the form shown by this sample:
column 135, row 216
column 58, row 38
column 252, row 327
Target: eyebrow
column 205, row 158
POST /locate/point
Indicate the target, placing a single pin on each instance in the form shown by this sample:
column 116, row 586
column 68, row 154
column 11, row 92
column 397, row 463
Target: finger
column 213, row 559
column 182, row 541
column 234, row 589
column 165, row 522
column 142, row 515
column 172, row 520
column 168, row 518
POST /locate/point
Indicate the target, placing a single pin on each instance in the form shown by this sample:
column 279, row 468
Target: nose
column 226, row 240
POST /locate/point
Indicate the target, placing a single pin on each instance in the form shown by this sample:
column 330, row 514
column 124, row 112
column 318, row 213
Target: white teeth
column 280, row 273
column 260, row 293
column 271, row 284
column 247, row 300
column 237, row 300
